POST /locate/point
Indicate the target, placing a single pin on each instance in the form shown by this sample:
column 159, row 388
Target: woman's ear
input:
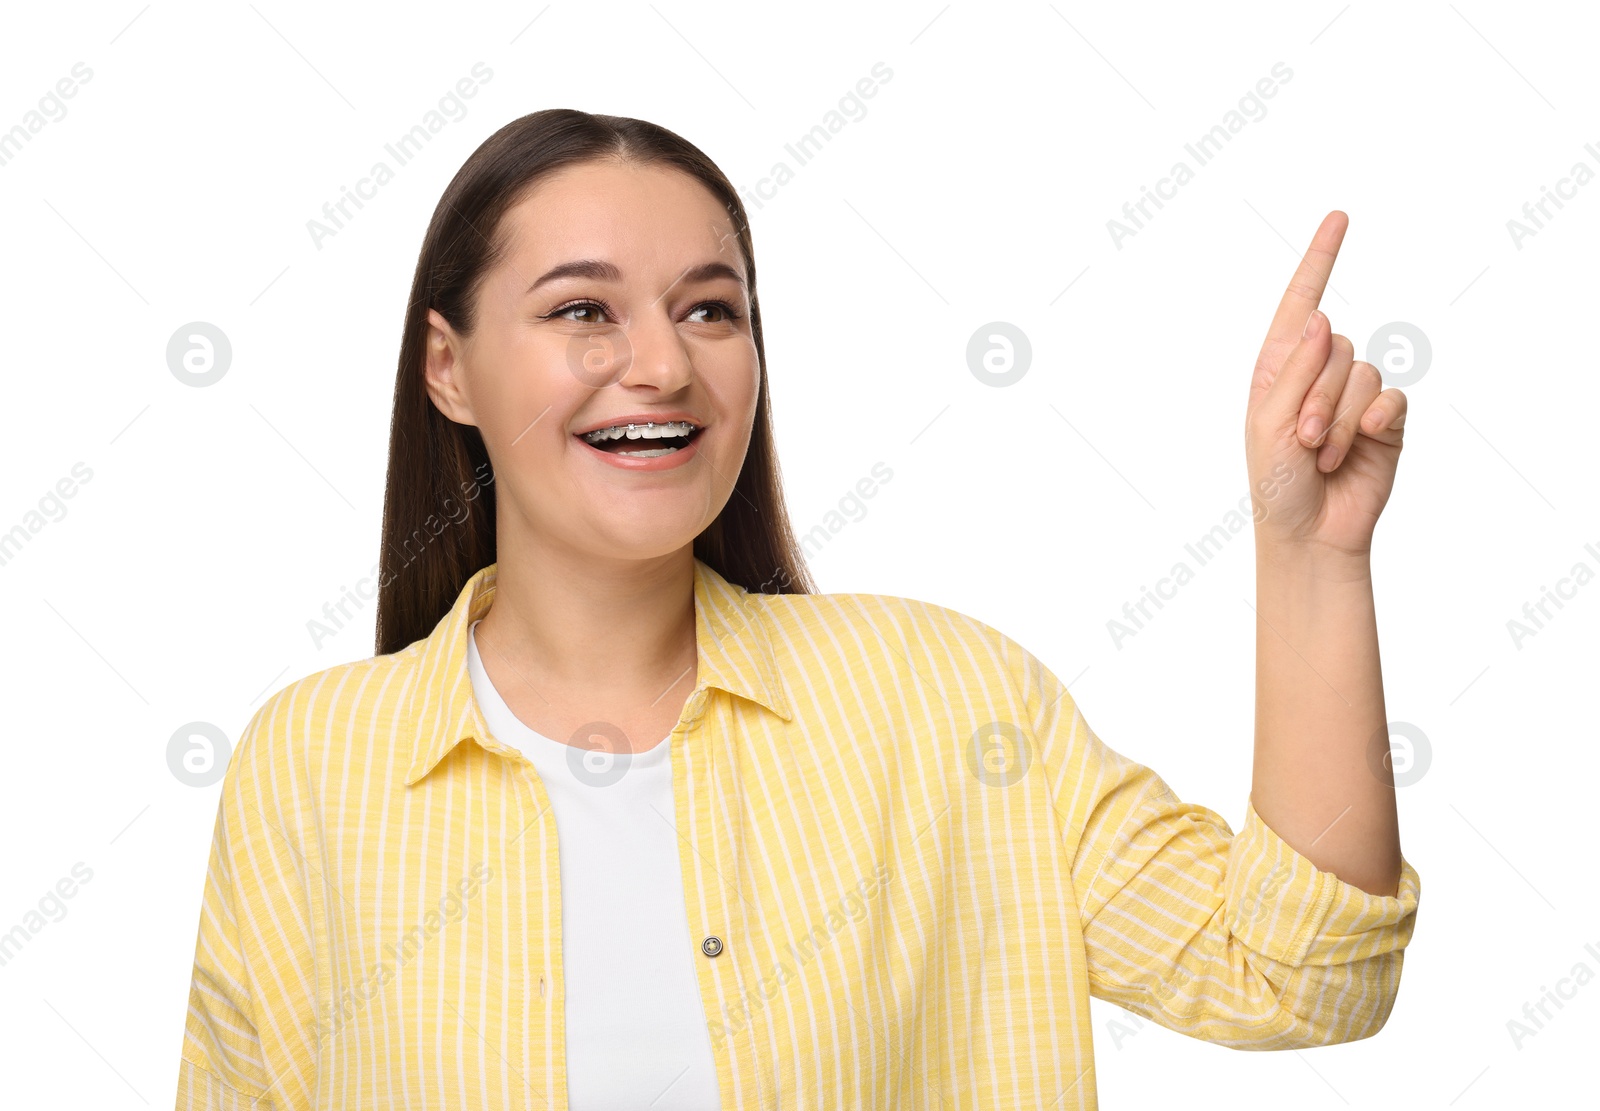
column 442, row 370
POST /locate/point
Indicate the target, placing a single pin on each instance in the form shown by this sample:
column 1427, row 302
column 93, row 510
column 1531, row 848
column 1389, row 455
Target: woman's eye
column 580, row 306
column 727, row 311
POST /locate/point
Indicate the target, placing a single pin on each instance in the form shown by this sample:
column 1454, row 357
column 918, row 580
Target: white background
column 976, row 188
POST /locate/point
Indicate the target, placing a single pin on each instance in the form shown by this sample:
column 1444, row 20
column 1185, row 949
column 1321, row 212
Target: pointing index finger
column 1304, row 292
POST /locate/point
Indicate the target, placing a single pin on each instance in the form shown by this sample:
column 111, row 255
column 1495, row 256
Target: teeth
column 647, row 431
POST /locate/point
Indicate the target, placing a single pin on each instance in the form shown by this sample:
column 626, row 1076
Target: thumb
column 1280, row 406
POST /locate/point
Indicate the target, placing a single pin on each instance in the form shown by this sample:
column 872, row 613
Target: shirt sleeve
column 238, row 1003
column 1231, row 938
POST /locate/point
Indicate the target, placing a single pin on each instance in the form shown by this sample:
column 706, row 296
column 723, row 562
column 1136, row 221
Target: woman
column 624, row 814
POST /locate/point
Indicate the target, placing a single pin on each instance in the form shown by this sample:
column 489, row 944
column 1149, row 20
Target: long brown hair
column 438, row 500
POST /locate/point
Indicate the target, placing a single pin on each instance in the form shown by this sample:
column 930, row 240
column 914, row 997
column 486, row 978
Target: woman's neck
column 593, row 628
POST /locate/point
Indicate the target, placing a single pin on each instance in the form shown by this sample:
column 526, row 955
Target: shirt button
column 711, row 946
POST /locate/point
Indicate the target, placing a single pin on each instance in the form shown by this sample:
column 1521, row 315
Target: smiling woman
column 618, row 287
column 656, row 824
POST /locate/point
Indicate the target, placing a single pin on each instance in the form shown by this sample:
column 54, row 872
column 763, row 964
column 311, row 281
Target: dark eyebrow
column 601, row 271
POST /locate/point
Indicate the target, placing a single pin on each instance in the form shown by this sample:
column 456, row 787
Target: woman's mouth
column 646, row 441
column 670, row 445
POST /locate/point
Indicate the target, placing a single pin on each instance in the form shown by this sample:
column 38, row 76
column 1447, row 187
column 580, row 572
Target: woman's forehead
column 620, row 250
column 619, row 201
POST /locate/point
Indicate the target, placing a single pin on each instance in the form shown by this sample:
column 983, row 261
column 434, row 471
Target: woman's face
column 642, row 330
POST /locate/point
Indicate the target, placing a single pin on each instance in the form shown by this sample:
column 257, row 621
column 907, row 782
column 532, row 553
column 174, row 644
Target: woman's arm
column 1319, row 715
column 1291, row 932
column 252, row 1033
column 1322, row 442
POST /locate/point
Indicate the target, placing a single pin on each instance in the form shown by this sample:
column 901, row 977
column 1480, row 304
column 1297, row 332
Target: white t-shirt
column 635, row 1027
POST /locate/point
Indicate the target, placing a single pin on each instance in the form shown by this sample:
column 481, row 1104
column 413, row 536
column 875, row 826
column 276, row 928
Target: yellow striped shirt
column 917, row 861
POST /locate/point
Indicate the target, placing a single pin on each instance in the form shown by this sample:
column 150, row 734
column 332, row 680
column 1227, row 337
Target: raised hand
column 1322, row 436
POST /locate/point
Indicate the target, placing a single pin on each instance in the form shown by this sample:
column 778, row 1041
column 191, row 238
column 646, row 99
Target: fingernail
column 1310, row 429
column 1311, row 323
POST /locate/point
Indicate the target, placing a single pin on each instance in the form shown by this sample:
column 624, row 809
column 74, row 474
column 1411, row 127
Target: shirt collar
column 732, row 639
